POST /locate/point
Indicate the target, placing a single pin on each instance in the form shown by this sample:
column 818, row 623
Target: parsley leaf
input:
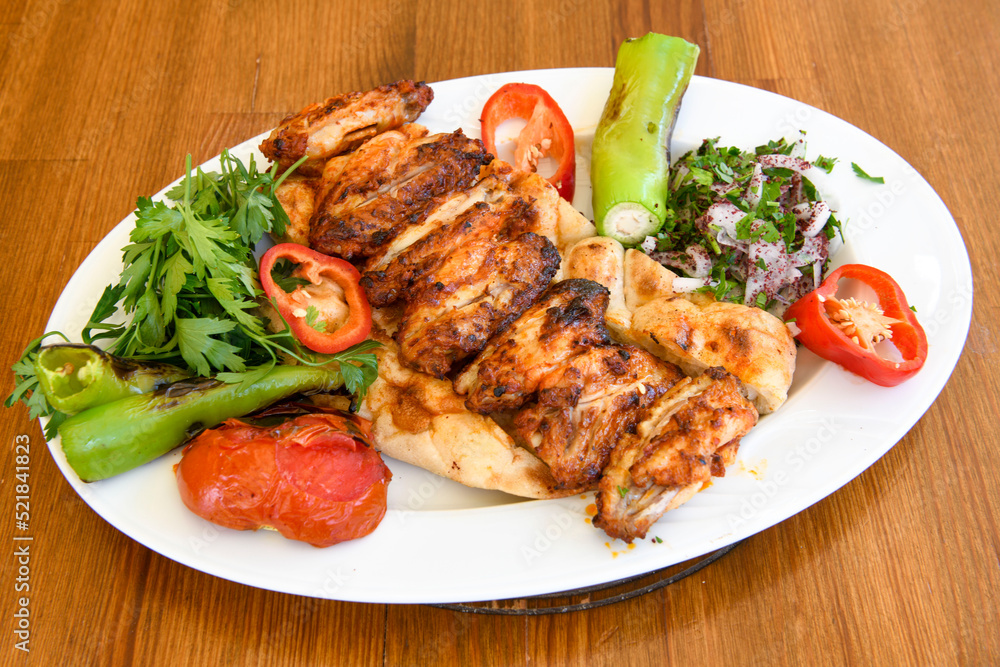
column 825, row 163
column 188, row 291
column 861, row 174
column 281, row 274
column 201, row 349
column 312, row 319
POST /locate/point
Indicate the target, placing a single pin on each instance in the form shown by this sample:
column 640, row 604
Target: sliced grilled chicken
column 476, row 292
column 465, row 282
column 391, row 182
column 584, row 409
column 690, row 434
column 565, row 321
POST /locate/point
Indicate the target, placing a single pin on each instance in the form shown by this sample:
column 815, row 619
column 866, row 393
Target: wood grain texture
column 101, row 101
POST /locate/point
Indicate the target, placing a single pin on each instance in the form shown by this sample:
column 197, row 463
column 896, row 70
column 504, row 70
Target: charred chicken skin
column 391, row 182
column 577, row 391
column 464, row 282
column 690, row 434
column 584, row 409
column 344, row 122
column 565, row 321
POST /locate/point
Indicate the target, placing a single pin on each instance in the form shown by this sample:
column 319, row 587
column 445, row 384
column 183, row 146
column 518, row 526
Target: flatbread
column 750, row 343
column 602, row 259
column 420, row 420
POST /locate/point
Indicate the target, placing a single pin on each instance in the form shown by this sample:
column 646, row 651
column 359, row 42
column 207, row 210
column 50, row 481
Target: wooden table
column 100, row 102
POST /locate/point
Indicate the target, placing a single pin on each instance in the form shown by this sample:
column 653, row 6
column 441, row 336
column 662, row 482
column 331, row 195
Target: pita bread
column 750, row 343
column 602, row 259
column 694, row 331
column 421, row 420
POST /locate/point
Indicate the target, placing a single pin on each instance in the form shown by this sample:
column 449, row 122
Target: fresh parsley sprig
column 188, row 288
column 188, row 292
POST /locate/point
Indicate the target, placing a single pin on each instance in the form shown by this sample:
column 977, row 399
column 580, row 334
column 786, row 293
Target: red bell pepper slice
column 328, row 315
column 845, row 331
column 547, row 132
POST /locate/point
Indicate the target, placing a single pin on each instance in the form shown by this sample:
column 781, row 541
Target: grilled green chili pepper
column 115, row 437
column 76, row 377
column 630, row 164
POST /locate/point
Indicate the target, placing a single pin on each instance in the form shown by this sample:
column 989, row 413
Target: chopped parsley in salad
column 749, row 227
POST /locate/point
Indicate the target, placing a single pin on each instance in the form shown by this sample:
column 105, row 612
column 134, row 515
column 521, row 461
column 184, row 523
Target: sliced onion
column 784, row 162
column 814, row 249
column 721, row 218
column 779, row 271
column 812, row 218
column 755, row 187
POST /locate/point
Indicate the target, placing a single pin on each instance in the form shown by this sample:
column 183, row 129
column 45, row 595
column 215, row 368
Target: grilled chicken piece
column 342, row 123
column 464, row 281
column 299, row 194
column 478, row 290
column 391, row 182
column 690, row 434
column 420, row 250
column 489, row 190
column 566, row 321
column 584, row 408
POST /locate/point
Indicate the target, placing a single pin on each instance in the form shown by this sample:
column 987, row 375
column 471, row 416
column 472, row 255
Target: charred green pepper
column 115, row 437
column 76, row 377
column 630, row 164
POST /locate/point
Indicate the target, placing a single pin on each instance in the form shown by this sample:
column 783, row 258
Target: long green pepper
column 631, row 155
column 76, row 377
column 115, row 437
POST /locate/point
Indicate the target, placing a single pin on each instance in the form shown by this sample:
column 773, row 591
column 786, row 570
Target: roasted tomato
column 313, row 478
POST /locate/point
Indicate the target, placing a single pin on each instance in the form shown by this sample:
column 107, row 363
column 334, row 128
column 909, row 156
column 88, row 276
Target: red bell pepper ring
column 845, row 331
column 547, row 132
column 333, row 289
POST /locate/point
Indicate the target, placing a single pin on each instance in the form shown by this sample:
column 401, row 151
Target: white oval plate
column 441, row 542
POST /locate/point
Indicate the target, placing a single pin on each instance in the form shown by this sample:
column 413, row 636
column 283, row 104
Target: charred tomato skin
column 313, row 478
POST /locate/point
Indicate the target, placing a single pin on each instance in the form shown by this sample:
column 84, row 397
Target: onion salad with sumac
column 750, row 227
